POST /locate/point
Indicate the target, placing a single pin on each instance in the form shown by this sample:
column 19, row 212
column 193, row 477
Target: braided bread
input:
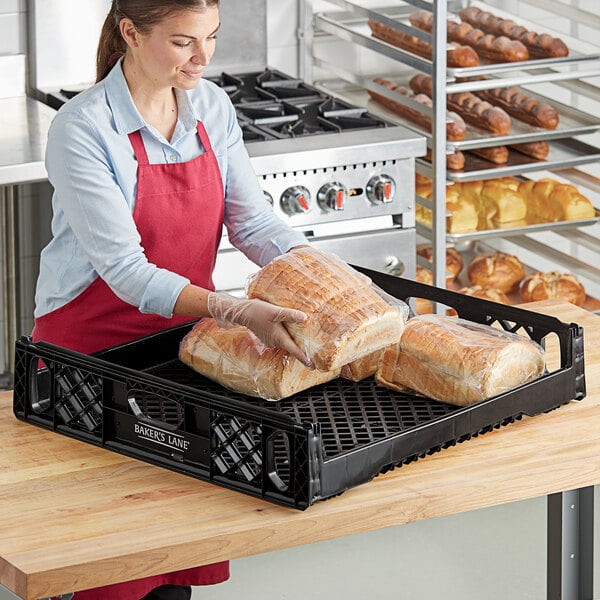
column 539, row 45
column 491, row 47
column 470, row 107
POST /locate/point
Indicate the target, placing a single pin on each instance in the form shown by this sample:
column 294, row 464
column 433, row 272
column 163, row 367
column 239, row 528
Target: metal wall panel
column 64, row 36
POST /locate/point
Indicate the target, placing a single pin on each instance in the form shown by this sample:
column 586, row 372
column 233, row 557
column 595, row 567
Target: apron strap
column 138, row 147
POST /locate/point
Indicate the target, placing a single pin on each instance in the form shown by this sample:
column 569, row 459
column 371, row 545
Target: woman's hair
column 144, row 14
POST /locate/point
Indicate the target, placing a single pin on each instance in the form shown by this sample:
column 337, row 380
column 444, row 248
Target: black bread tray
column 140, row 400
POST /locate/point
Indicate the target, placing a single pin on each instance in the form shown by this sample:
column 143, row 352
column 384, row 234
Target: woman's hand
column 265, row 320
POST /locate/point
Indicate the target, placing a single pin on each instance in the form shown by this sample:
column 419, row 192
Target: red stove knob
column 332, row 196
column 296, row 200
column 381, row 189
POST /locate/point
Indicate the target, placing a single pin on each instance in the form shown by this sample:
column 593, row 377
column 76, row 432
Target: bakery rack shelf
column 348, row 21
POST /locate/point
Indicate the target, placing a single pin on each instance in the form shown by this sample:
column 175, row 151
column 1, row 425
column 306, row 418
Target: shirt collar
column 126, row 115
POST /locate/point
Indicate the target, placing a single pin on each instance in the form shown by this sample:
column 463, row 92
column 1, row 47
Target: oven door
column 389, row 250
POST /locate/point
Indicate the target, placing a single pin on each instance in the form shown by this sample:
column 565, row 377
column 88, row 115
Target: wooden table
column 74, row 516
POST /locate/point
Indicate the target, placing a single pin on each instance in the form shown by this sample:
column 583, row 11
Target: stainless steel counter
column 24, row 124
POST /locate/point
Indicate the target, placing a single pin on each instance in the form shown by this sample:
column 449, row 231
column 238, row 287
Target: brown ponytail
column 144, row 14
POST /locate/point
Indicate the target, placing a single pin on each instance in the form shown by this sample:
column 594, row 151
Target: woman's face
column 177, row 50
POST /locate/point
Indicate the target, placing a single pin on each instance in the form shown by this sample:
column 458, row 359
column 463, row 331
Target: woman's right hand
column 265, row 320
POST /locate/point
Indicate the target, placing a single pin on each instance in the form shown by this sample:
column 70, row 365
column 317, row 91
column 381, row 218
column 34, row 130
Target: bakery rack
column 344, row 23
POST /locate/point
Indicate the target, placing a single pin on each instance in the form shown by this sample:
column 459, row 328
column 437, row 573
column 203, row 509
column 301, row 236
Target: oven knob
column 381, row 189
column 332, row 196
column 268, row 197
column 295, row 200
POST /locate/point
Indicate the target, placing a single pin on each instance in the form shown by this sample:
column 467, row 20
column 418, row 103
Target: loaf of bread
column 364, row 367
column 539, row 45
column 498, row 270
column 522, row 106
column 485, row 293
column 239, row 361
column 454, row 260
column 491, row 47
column 494, row 154
column 455, row 125
column 457, row 55
column 538, row 150
column 470, row 107
column 458, row 361
column 549, row 200
column 498, row 201
column 462, row 213
column 347, row 319
column 552, row 285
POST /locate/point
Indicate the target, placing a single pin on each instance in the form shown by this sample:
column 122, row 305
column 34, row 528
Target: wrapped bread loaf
column 239, row 361
column 364, row 367
column 347, row 319
column 458, row 361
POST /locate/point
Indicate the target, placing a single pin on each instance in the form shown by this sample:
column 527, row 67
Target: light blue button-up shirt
column 91, row 165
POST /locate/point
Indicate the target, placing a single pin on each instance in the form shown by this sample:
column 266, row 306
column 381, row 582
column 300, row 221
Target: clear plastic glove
column 265, row 320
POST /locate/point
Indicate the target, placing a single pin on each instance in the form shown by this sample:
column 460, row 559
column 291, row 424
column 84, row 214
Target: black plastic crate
column 140, row 400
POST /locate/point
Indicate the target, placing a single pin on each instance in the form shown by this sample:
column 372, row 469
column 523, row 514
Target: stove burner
column 263, row 85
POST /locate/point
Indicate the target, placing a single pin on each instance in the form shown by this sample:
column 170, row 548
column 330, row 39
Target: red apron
column 179, row 214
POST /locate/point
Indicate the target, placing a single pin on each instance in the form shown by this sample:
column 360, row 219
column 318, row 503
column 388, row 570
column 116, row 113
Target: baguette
column 522, row 106
column 455, row 125
column 346, row 320
column 457, row 361
column 491, row 47
column 239, row 361
column 494, row 154
column 539, row 45
column 538, row 150
column 454, row 161
column 457, row 55
column 470, row 107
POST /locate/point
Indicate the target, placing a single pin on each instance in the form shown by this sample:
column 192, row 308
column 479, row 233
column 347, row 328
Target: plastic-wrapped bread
column 364, row 367
column 347, row 319
column 458, row 361
column 239, row 361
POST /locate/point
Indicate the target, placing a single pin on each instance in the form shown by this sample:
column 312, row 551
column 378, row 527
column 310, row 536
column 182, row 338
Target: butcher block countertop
column 74, row 516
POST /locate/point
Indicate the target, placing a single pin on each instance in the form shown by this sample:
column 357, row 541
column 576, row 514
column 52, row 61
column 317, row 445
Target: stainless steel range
column 342, row 176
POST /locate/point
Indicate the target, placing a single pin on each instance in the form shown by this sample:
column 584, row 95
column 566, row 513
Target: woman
column 147, row 166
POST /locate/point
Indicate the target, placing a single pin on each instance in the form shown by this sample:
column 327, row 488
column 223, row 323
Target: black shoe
column 170, row 592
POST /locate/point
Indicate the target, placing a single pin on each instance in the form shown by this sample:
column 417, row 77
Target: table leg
column 10, row 278
column 570, row 541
